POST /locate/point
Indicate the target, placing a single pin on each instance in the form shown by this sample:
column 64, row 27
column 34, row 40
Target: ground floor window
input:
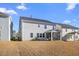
column 76, row 37
column 43, row 35
column 31, row 35
column 40, row 35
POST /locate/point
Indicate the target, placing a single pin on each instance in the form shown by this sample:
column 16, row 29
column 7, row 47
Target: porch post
column 60, row 36
column 45, row 36
column 51, row 36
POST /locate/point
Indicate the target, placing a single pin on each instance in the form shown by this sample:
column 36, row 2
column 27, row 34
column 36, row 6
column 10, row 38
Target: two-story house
column 5, row 27
column 31, row 28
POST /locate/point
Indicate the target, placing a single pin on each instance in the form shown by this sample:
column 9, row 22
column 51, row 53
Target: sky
column 67, row 13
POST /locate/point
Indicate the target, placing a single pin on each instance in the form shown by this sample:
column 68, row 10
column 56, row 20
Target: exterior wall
column 5, row 28
column 64, row 31
column 71, row 38
column 74, row 37
column 28, row 28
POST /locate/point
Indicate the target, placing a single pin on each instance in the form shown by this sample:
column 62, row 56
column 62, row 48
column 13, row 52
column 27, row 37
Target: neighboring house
column 31, row 28
column 5, row 27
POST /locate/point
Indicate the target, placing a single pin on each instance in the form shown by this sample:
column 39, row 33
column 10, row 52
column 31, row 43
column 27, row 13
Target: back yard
column 39, row 48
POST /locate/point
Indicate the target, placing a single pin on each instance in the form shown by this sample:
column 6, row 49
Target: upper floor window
column 31, row 35
column 38, row 25
column 73, row 29
column 53, row 27
column 66, row 29
column 45, row 27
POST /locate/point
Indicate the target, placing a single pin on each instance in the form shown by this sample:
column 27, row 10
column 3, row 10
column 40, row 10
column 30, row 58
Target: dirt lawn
column 39, row 48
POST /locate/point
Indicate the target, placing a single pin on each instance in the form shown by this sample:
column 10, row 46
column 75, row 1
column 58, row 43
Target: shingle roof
column 35, row 19
column 68, row 26
column 46, row 21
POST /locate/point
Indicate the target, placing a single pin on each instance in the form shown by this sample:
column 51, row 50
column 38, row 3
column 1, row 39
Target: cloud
column 11, row 11
column 4, row 10
column 67, row 22
column 22, row 7
column 71, row 6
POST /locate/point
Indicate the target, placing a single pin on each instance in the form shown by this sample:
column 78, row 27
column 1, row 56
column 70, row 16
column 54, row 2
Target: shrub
column 14, row 39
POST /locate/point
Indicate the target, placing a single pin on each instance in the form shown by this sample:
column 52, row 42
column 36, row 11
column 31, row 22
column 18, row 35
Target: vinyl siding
column 5, row 28
column 28, row 28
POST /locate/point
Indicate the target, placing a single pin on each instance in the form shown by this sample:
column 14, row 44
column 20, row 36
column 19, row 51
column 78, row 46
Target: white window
column 38, row 35
column 31, row 35
column 72, row 29
column 66, row 29
column 45, row 26
column 54, row 27
column 38, row 25
column 43, row 35
column 76, row 37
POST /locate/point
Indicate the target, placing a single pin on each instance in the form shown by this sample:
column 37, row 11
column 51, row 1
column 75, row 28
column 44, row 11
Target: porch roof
column 52, row 31
column 73, row 32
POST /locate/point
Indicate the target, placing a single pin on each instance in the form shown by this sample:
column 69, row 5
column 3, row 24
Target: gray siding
column 5, row 28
